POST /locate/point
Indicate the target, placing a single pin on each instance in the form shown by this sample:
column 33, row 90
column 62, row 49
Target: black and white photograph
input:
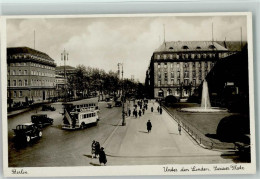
column 139, row 94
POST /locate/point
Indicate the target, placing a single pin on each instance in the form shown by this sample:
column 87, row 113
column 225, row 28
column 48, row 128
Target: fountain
column 205, row 103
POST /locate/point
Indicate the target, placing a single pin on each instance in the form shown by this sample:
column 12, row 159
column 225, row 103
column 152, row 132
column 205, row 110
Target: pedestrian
column 143, row 111
column 179, row 128
column 151, row 109
column 93, row 149
column 133, row 112
column 129, row 112
column 136, row 114
column 97, row 149
column 160, row 110
column 149, row 126
column 140, row 113
column 102, row 156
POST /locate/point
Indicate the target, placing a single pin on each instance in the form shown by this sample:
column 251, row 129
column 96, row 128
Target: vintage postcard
column 135, row 94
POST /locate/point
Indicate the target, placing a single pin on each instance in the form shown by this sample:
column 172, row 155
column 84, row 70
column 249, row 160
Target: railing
column 198, row 136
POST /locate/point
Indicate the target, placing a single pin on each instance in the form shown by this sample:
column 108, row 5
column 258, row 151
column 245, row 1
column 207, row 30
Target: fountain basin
column 203, row 110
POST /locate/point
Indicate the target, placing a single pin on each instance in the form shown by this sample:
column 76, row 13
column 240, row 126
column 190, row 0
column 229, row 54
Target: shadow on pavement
column 94, row 164
column 89, row 156
column 143, row 131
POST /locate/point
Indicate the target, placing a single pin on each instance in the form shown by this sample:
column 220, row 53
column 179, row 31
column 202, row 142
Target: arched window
column 171, row 48
column 212, row 47
column 185, row 47
column 198, row 47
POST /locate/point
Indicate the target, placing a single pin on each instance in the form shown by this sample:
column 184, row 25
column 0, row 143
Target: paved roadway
column 60, row 147
column 125, row 145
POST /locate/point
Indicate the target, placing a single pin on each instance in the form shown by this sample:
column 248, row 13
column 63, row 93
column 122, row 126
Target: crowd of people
column 98, row 152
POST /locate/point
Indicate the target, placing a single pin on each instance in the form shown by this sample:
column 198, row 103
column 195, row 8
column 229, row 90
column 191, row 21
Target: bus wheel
column 82, row 126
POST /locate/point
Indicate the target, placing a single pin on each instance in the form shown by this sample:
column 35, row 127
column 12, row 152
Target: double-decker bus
column 78, row 114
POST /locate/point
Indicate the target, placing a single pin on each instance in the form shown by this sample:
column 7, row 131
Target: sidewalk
column 133, row 140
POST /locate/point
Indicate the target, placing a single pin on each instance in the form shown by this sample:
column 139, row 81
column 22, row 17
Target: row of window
column 185, row 74
column 185, row 82
column 33, row 65
column 177, row 92
column 36, row 93
column 88, row 115
column 185, row 65
column 33, row 83
column 25, row 72
column 190, row 56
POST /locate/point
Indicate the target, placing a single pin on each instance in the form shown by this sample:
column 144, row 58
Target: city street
column 124, row 145
column 59, row 147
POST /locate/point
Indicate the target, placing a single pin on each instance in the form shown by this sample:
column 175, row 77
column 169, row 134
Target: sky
column 103, row 42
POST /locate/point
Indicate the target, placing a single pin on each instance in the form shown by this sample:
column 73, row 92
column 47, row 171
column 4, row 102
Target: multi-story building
column 31, row 75
column 177, row 68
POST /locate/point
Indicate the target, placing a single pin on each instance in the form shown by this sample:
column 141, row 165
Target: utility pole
column 65, row 57
column 123, row 95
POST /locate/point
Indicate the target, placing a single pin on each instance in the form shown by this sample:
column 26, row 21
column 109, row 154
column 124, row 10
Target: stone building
column 177, row 68
column 31, row 75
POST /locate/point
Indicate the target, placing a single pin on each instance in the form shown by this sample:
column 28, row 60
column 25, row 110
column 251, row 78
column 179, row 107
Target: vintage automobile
column 26, row 132
column 41, row 120
column 118, row 103
column 48, row 108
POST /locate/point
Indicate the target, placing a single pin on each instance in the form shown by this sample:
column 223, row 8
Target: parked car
column 26, row 132
column 48, row 108
column 118, row 103
column 41, row 120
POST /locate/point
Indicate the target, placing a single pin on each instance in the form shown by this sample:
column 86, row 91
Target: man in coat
column 149, row 126
column 97, row 148
column 102, row 156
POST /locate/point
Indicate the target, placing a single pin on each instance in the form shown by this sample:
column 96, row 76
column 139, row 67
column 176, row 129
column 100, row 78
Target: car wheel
column 82, row 126
column 28, row 139
column 40, row 134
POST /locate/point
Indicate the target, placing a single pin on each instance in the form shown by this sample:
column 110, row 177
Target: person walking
column 93, row 149
column 97, row 149
column 129, row 112
column 140, row 113
column 143, row 111
column 160, row 110
column 151, row 109
column 179, row 128
column 149, row 126
column 102, row 156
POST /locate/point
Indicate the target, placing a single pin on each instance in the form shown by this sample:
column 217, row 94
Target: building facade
column 31, row 75
column 178, row 68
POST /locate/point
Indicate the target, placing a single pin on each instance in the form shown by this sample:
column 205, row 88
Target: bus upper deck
column 82, row 105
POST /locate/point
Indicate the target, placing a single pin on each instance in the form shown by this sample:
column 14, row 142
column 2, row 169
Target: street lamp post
column 123, row 96
column 64, row 57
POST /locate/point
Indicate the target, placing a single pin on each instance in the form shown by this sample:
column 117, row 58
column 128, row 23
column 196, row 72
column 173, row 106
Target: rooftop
column 184, row 46
column 27, row 50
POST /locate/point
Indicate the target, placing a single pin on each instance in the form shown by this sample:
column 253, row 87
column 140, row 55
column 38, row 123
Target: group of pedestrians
column 159, row 109
column 98, row 152
column 142, row 108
